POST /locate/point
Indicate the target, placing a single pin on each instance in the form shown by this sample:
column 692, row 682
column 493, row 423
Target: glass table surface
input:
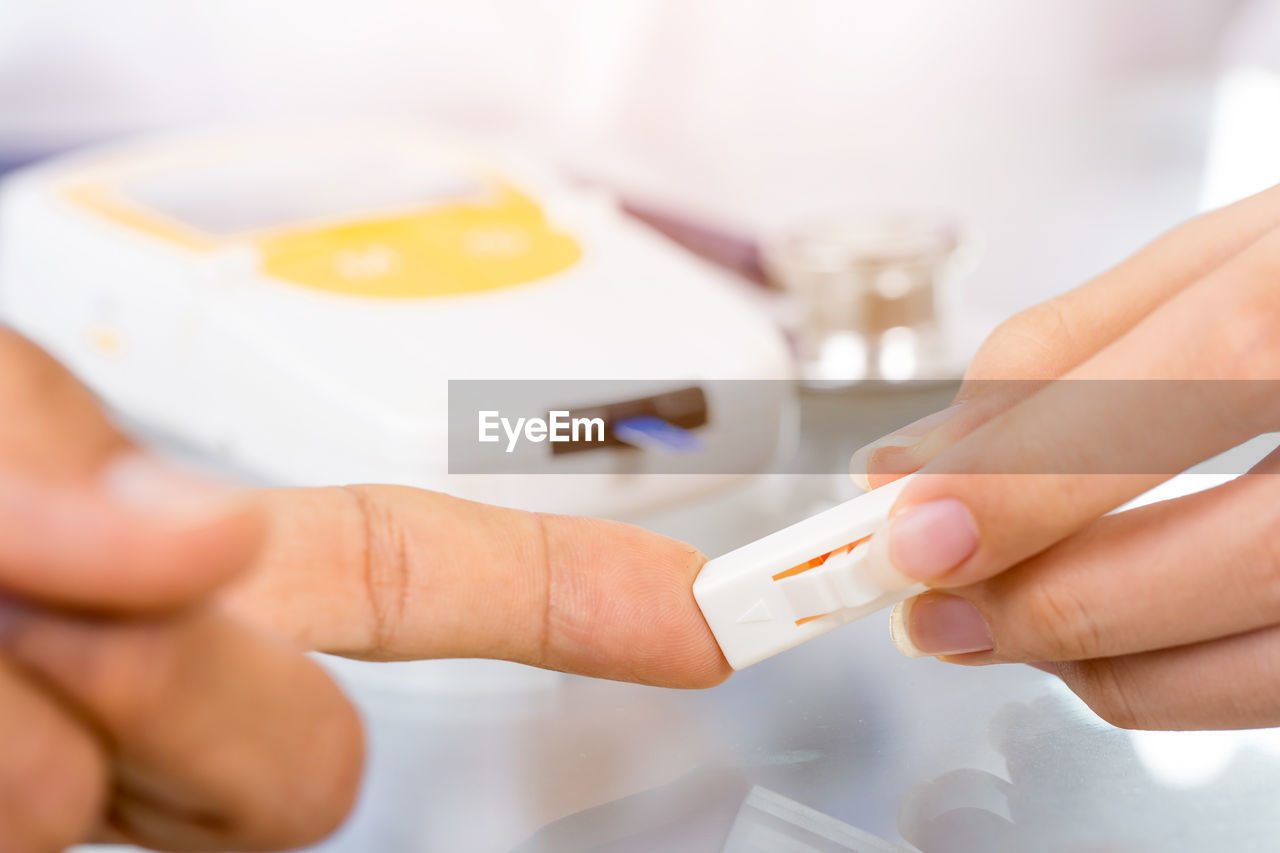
column 841, row 744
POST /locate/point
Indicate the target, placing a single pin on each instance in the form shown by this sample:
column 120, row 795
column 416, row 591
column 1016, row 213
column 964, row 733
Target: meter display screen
column 238, row 197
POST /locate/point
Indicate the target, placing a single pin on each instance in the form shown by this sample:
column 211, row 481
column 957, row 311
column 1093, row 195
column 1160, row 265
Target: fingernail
column 934, row 624
column 143, row 484
column 928, row 540
column 860, row 464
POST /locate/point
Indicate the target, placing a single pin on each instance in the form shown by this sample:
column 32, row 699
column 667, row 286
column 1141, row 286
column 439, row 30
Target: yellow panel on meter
column 459, row 248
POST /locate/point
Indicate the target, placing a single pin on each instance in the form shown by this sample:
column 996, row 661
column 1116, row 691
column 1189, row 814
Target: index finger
column 1082, row 446
column 1050, row 339
column 390, row 572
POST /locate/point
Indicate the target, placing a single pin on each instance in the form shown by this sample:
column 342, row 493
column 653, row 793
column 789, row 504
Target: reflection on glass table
column 850, row 743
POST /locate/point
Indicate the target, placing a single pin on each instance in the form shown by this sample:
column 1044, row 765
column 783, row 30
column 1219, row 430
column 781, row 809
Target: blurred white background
column 1066, row 131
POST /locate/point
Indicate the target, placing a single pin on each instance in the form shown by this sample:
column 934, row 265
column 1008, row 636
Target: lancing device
column 803, row 581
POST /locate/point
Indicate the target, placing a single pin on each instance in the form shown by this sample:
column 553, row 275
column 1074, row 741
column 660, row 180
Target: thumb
column 86, row 520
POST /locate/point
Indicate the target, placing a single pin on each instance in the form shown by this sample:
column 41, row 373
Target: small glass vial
column 870, row 293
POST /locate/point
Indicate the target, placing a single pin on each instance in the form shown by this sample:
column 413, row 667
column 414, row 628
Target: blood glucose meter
column 296, row 302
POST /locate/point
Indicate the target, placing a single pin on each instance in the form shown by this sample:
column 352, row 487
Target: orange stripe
column 819, row 560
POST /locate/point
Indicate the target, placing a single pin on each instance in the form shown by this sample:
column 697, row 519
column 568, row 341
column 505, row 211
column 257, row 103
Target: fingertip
column 695, row 662
column 893, row 456
column 713, row 673
column 860, row 467
column 892, row 464
column 318, row 787
column 625, row 607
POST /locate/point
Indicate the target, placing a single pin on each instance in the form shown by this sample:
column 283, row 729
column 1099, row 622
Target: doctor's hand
column 1166, row 616
column 133, row 707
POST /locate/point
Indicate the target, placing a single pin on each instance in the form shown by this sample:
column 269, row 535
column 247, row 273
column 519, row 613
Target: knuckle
column 1245, row 341
column 1061, row 626
column 1105, row 686
column 386, row 571
column 546, row 576
column 1041, row 333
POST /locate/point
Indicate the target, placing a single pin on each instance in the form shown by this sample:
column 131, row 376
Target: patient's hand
column 151, row 686
column 133, row 706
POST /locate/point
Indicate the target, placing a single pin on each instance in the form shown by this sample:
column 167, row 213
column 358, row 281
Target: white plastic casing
column 304, row 387
column 754, row 616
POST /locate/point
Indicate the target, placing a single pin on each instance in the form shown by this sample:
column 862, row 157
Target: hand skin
column 1162, row 617
column 393, row 573
column 151, row 687
column 134, row 708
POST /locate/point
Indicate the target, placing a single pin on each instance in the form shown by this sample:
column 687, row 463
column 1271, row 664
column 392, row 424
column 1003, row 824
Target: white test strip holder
column 777, row 592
